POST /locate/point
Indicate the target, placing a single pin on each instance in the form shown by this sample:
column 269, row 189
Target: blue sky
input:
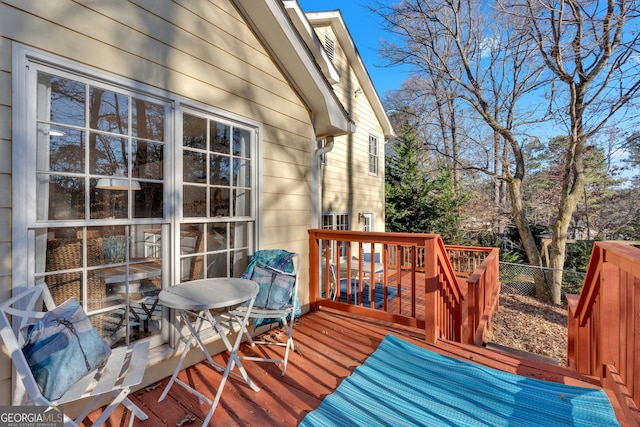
column 366, row 30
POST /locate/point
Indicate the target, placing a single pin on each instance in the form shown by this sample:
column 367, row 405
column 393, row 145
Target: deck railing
column 408, row 279
column 604, row 321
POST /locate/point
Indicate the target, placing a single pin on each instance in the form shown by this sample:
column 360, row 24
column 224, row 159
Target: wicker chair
column 65, row 254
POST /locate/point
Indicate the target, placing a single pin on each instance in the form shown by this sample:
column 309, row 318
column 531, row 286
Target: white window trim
column 24, row 170
column 372, row 155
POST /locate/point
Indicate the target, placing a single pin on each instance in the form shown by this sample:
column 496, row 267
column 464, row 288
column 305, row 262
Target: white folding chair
column 123, row 369
column 285, row 315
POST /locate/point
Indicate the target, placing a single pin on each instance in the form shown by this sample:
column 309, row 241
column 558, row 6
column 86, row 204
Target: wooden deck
column 331, row 345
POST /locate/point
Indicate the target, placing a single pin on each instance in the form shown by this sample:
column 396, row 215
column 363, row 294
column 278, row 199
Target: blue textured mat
column 401, row 384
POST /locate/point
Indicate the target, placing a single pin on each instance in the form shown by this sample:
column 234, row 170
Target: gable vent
column 329, row 47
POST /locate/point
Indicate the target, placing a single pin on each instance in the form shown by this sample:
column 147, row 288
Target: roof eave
column 334, row 18
column 273, row 27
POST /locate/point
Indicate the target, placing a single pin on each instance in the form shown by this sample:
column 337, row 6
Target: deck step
column 522, row 353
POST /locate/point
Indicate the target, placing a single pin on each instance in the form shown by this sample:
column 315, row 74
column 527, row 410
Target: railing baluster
column 408, row 259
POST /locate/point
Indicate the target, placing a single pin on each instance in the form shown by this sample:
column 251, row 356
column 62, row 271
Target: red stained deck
column 332, row 345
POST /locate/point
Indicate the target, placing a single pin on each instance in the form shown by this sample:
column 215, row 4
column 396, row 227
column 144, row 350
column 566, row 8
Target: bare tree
column 590, row 48
column 579, row 57
column 477, row 51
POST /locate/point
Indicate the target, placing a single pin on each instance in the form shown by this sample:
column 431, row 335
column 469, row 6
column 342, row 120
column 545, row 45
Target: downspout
column 316, row 178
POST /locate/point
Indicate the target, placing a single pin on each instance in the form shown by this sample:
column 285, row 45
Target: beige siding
column 347, row 184
column 200, row 50
column 5, row 201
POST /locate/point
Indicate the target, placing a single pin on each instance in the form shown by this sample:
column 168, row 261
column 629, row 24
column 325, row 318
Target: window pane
column 149, row 200
column 108, row 155
column 242, row 202
column 108, row 111
column 220, row 170
column 65, row 252
column 107, row 203
column 63, row 198
column 114, row 240
column 217, row 265
column 192, row 245
column 216, row 237
column 148, row 160
column 64, row 147
column 148, row 120
column 194, row 166
column 239, row 261
column 66, row 102
column 219, row 202
column 241, row 143
column 220, row 137
column 194, row 131
column 194, row 201
column 240, row 234
column 241, row 173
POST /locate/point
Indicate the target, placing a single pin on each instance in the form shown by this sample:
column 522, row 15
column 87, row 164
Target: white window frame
column 26, row 63
column 374, row 155
column 337, row 221
column 367, row 221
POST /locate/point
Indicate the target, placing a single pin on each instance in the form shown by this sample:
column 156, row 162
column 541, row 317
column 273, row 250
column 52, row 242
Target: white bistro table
column 196, row 298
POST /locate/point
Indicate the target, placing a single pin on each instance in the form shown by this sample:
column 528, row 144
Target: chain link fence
column 519, row 279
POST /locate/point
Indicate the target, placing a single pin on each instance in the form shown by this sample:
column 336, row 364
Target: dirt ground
column 526, row 324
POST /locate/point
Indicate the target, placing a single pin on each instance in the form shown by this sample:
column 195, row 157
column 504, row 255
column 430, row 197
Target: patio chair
column 79, row 351
column 378, row 272
column 276, row 272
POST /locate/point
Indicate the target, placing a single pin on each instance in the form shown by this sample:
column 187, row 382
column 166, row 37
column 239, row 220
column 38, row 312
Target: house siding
column 5, row 202
column 363, row 192
column 203, row 51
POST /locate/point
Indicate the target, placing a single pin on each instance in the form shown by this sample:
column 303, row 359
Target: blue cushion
column 276, row 287
column 63, row 347
column 114, row 249
column 276, row 258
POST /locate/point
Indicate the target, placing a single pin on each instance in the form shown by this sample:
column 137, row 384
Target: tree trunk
column 572, row 190
column 528, row 241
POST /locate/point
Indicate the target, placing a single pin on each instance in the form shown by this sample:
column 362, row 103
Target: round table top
column 206, row 294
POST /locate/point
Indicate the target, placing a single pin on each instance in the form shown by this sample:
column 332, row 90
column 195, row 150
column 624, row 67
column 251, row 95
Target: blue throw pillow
column 113, row 249
column 63, row 347
column 276, row 287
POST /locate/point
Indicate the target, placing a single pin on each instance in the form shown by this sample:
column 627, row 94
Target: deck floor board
column 331, row 345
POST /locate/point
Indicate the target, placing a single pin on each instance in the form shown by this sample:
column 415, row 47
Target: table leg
column 184, row 352
column 233, row 358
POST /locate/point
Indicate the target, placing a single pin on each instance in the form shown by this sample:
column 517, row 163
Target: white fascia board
column 272, row 25
column 334, row 18
column 308, row 34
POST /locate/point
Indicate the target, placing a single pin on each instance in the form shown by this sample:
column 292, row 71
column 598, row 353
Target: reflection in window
column 100, row 156
column 122, row 138
column 217, row 189
column 106, row 269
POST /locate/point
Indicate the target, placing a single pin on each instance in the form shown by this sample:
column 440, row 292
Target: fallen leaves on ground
column 526, row 324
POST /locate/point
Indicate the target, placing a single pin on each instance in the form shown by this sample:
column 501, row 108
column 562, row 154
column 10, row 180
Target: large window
column 217, row 194
column 99, row 184
column 100, row 195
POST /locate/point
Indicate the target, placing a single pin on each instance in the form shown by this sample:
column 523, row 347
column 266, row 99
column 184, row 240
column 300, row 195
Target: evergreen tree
column 415, row 202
